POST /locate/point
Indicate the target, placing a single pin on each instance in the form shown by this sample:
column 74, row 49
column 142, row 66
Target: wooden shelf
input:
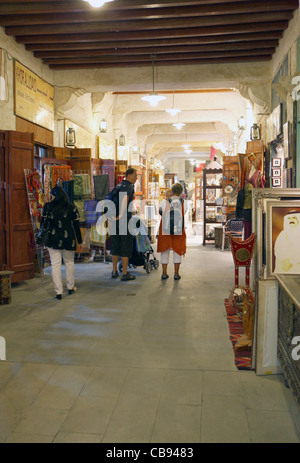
column 209, row 204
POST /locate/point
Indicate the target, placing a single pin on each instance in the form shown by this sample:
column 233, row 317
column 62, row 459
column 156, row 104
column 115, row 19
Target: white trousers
column 56, row 257
column 165, row 256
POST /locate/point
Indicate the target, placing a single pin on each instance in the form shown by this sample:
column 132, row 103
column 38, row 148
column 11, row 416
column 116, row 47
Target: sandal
column 164, row 276
column 177, row 276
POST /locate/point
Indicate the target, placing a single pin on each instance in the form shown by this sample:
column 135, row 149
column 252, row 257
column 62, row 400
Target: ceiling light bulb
column 188, row 151
column 153, row 98
column 186, row 146
column 97, row 3
column 178, row 125
column 173, row 111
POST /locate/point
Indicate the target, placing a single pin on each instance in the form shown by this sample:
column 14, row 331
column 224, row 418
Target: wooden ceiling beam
column 159, row 58
column 234, row 38
column 149, row 25
column 240, row 59
column 60, row 6
column 156, row 34
column 19, row 19
column 128, row 51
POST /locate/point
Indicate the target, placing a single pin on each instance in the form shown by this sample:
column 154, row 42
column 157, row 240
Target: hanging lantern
column 135, row 149
column 103, row 126
column 122, row 140
column 242, row 123
column 255, row 132
column 70, row 138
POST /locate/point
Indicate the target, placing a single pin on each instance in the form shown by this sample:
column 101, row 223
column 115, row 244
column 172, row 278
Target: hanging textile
column 98, row 239
column 101, row 186
column 54, row 175
column 82, row 186
column 91, row 216
column 68, row 187
column 80, row 206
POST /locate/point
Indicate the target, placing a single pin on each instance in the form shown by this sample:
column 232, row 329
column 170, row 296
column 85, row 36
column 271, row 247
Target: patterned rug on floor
column 235, row 323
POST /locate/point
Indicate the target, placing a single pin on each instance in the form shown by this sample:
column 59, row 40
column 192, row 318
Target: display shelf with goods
column 153, row 190
column 231, row 182
column 120, row 170
column 198, row 197
column 212, row 197
column 170, row 179
column 162, row 192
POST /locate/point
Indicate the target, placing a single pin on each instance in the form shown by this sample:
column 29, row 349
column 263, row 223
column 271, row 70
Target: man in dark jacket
column 122, row 239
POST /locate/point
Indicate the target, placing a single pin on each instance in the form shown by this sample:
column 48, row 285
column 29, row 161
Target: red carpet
column 235, row 323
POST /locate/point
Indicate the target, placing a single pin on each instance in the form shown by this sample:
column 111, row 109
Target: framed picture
column 260, row 198
column 276, row 172
column 276, row 182
column 283, row 237
column 276, row 162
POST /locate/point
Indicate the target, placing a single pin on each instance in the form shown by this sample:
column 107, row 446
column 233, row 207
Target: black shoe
column 58, row 296
column 72, row 291
column 127, row 277
column 114, row 274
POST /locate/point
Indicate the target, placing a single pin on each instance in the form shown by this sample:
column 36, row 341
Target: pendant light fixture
column 97, row 3
column 153, row 98
column 173, row 111
column 178, row 124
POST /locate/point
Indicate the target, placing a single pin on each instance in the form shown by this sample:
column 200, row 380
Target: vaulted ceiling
column 70, row 34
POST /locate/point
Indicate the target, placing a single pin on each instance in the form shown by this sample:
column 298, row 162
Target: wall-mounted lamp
column 122, row 140
column 242, row 123
column 70, row 138
column 255, row 132
column 103, row 126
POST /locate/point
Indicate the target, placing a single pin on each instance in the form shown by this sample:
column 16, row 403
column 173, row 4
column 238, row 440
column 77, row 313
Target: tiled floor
column 146, row 361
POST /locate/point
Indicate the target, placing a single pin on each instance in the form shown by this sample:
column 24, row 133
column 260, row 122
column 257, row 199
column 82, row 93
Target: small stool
column 5, row 287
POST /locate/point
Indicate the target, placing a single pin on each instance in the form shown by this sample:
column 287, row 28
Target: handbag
column 43, row 236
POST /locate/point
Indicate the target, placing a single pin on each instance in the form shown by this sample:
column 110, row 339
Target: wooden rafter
column 71, row 34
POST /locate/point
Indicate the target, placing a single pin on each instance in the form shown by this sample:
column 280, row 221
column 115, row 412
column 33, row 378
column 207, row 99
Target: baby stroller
column 143, row 254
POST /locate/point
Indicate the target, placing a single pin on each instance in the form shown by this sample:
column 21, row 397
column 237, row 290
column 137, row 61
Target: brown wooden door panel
column 2, row 205
column 19, row 155
column 18, row 207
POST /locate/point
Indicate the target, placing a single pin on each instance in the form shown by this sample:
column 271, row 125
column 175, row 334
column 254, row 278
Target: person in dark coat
column 64, row 232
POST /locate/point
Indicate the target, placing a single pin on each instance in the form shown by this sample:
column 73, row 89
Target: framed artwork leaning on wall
column 283, row 237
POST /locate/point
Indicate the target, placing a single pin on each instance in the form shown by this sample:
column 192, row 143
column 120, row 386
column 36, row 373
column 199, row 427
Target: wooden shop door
column 20, row 244
column 2, row 206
